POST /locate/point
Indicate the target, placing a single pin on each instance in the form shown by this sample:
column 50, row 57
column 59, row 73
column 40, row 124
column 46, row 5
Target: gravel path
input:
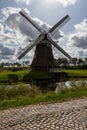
column 70, row 115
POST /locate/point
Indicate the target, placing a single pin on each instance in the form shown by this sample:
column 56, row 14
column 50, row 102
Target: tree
column 74, row 61
column 80, row 62
column 64, row 62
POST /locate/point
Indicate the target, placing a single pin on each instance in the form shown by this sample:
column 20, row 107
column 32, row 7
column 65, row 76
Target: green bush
column 11, row 93
column 34, row 91
column 19, row 90
column 33, row 76
column 12, row 78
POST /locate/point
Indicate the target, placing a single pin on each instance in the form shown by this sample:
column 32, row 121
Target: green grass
column 24, row 74
column 4, row 74
column 34, row 96
column 77, row 72
column 20, row 96
column 40, row 75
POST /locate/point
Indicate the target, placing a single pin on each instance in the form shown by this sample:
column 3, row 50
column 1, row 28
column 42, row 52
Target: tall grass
column 24, row 95
column 18, row 90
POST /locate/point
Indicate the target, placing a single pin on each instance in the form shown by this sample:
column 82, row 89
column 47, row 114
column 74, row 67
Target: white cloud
column 22, row 26
column 77, row 40
column 6, row 53
column 5, row 37
column 19, row 30
column 79, row 37
column 8, row 33
column 82, row 27
column 8, row 11
column 8, row 38
column 64, row 3
column 6, row 50
column 23, row 1
column 67, row 2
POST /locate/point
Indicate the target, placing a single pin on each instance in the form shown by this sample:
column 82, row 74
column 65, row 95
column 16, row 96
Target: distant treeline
column 75, row 63
column 14, row 69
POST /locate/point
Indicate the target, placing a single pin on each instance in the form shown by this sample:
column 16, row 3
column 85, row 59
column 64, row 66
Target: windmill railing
column 56, row 70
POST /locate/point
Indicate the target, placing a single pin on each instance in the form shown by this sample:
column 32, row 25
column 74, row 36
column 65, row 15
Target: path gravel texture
column 70, row 115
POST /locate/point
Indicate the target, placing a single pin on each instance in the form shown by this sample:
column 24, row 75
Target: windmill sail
column 28, row 48
column 60, row 23
column 43, row 58
column 59, row 48
column 29, row 19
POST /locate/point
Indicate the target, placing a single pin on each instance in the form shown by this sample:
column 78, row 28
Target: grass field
column 21, row 95
column 40, row 75
column 77, row 72
column 24, row 96
column 20, row 74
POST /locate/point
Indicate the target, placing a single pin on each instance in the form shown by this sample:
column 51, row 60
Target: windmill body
column 43, row 57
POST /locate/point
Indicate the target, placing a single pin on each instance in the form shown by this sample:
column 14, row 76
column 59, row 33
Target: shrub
column 11, row 93
column 12, row 78
column 34, row 91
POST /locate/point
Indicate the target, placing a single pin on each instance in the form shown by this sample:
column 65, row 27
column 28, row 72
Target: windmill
column 43, row 57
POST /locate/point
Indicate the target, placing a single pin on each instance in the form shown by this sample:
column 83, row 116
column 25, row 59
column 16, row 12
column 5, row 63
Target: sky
column 15, row 31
